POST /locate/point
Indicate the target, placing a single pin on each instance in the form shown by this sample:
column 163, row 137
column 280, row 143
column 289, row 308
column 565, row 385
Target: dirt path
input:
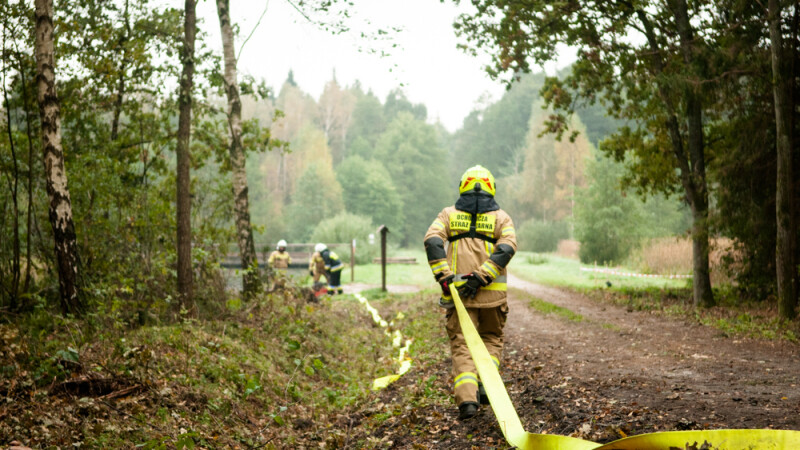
column 638, row 372
column 612, row 374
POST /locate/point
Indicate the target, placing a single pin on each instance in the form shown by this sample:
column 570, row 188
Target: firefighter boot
column 467, row 410
column 482, row 397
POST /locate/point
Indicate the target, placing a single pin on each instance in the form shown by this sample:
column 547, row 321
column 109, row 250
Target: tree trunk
column 244, row 231
column 692, row 166
column 703, row 295
column 784, row 254
column 13, row 185
column 66, row 250
column 29, row 132
column 184, row 201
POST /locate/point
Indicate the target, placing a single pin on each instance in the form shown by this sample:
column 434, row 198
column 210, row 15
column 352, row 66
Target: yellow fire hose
column 516, row 435
column 397, row 340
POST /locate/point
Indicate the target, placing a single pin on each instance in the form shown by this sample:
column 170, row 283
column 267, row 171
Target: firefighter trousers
column 334, row 281
column 489, row 322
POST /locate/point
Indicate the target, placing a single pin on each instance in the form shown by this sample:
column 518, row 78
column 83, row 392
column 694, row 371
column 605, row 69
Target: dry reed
column 568, row 248
column 671, row 255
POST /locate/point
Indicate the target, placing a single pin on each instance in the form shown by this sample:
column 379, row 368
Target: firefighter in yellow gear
column 469, row 245
column 278, row 262
column 316, row 265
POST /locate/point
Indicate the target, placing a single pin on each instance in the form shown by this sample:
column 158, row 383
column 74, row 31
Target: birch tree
column 66, row 250
column 241, row 206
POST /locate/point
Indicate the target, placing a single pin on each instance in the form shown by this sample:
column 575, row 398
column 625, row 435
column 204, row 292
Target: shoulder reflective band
column 516, row 436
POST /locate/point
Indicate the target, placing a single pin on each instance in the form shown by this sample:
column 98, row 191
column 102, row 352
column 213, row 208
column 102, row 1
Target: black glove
column 470, row 288
column 311, row 272
column 444, row 282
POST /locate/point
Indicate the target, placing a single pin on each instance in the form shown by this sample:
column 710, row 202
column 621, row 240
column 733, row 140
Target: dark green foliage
column 493, row 136
column 345, row 227
column 418, row 168
column 607, row 220
column 396, row 103
column 746, row 202
column 318, row 196
column 367, row 124
column 368, row 190
column 598, row 123
column 541, row 236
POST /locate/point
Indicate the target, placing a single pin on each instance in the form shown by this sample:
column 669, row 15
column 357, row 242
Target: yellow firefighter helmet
column 477, row 176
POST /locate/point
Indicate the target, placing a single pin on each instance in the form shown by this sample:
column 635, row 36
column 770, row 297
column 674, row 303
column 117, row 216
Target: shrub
column 608, row 222
column 541, row 236
column 343, row 228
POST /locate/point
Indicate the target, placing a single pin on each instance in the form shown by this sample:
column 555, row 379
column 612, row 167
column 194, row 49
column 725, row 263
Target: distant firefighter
column 327, row 262
column 278, row 263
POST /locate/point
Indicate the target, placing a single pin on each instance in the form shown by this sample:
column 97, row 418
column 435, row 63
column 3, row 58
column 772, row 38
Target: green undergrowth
column 414, row 402
column 418, row 274
column 549, row 308
column 732, row 319
column 267, row 373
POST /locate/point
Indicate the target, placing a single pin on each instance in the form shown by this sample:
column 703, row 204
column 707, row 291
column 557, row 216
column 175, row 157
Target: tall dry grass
column 671, row 255
column 568, row 248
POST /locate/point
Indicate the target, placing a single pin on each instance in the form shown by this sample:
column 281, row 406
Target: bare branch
column 263, row 13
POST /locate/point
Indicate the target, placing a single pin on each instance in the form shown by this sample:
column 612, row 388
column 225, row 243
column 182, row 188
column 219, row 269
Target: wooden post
column 352, row 260
column 383, row 231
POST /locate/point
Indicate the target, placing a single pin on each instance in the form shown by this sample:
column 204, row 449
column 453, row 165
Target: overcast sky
column 426, row 62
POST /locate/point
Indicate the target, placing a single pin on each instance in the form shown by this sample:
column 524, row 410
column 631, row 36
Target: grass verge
column 276, row 372
column 554, row 270
column 751, row 320
column 663, row 296
column 410, row 403
column 549, row 308
column 418, row 274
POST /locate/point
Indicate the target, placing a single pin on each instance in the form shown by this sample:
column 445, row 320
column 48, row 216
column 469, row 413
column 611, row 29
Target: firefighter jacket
column 332, row 261
column 316, row 265
column 279, row 260
column 482, row 241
